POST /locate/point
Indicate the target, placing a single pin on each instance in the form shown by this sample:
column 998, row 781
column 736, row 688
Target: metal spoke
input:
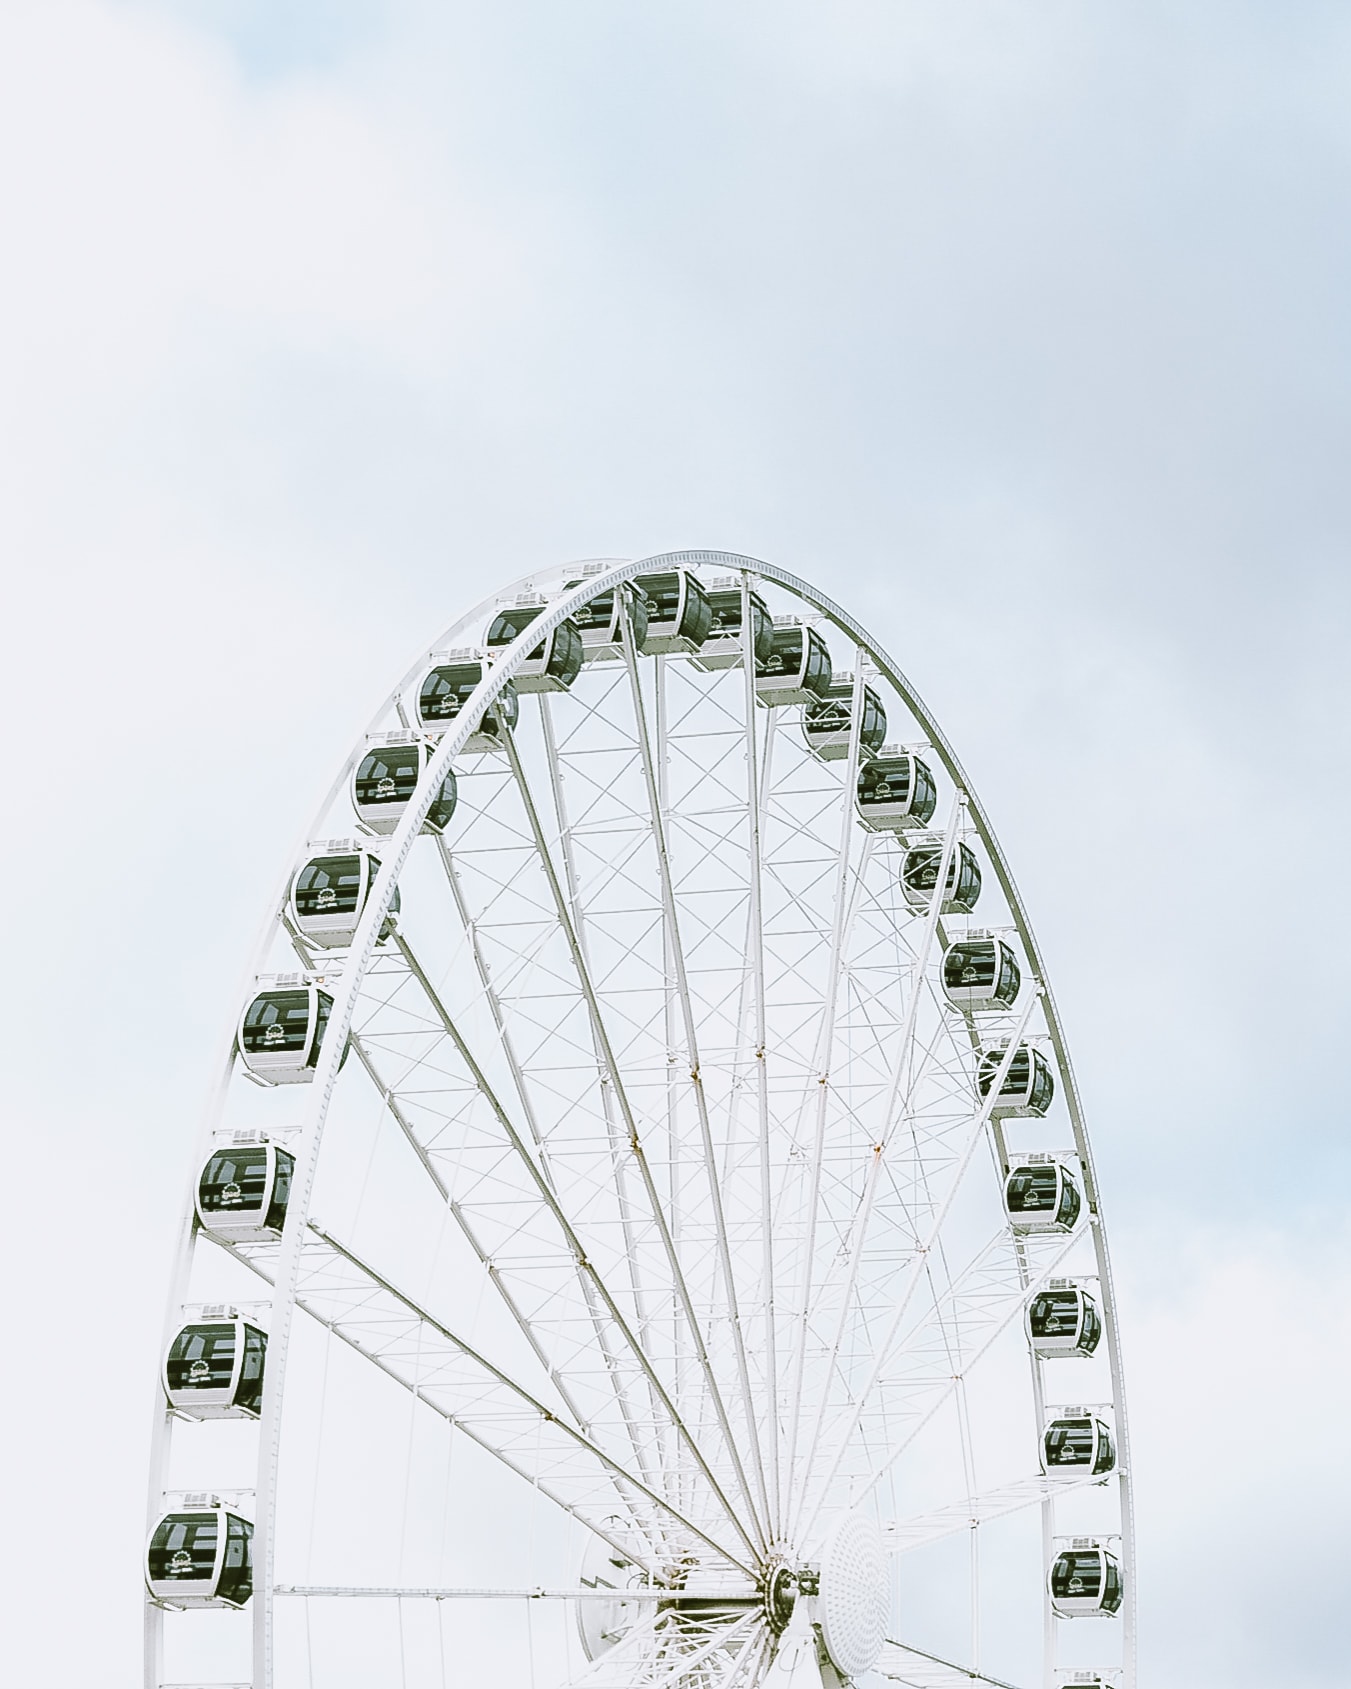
column 574, row 1243
column 676, row 952
column 639, row 1154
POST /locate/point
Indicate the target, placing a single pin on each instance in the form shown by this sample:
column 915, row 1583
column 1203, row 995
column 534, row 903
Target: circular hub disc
column 854, row 1598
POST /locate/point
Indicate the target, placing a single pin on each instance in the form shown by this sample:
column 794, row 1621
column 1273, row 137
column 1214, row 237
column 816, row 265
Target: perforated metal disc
column 855, row 1599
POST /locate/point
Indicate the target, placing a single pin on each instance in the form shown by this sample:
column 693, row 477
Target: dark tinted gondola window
column 885, row 782
column 278, row 1020
column 330, row 885
column 1092, row 1331
column 443, row 804
column 508, row 623
column 784, row 656
column 1034, row 1190
column 599, row 613
column 831, row 715
column 235, row 1180
column 1010, row 978
column 1068, row 1212
column 663, row 594
column 1069, row 1442
column 1043, row 1085
column 250, row 1391
column 926, row 793
column 968, row 879
column 818, row 672
column 1112, row 1591
column 236, row 1579
column 874, row 728
column 1054, row 1313
column 444, row 691
column 697, row 616
column 1015, row 1080
column 565, row 659
column 1077, row 1574
column 920, row 871
column 184, row 1547
column 1106, row 1451
column 281, row 1189
column 323, row 1009
column 970, row 966
column 726, row 613
column 202, row 1358
column 389, row 775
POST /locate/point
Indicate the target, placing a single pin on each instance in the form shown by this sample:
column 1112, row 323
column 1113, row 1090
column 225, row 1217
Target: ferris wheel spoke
column 914, row 1276
column 392, row 1331
column 522, row 1091
column 676, row 951
column 988, row 1307
column 675, row 1649
column 544, row 1193
column 528, row 1327
column 907, row 1534
column 649, row 1184
column 913, row 1667
column 843, row 904
column 758, row 767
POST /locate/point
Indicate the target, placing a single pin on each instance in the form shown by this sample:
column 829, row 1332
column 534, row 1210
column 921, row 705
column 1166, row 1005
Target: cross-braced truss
column 659, row 1171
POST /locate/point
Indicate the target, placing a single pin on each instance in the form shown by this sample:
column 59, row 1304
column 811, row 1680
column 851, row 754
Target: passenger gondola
column 797, row 669
column 384, row 781
column 1078, row 1444
column 826, row 723
column 281, row 1032
column 329, row 893
column 919, row 876
column 214, row 1369
column 1028, row 1087
column 724, row 647
column 1063, row 1321
column 446, row 689
column 679, row 615
column 244, row 1188
column 981, row 973
column 554, row 663
column 1085, row 1581
column 201, row 1556
column 600, row 622
column 1042, row 1195
column 896, row 791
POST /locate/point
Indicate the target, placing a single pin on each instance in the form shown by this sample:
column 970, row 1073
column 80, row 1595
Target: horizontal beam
column 741, row 1597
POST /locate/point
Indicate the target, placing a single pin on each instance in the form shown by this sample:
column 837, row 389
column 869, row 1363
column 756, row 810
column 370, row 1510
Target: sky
column 1020, row 325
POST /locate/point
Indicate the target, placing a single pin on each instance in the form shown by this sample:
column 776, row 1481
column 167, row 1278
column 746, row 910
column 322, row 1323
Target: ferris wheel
column 645, row 1235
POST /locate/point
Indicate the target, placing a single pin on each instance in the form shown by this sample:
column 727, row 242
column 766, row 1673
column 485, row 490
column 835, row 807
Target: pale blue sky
column 1020, row 325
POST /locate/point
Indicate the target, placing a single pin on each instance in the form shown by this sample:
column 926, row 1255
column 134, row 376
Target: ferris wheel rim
column 394, row 853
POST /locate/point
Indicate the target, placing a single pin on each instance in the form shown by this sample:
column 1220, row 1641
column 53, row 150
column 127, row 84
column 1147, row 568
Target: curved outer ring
column 358, row 958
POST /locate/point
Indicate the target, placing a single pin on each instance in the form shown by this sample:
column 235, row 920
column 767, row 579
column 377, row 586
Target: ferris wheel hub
column 782, row 1584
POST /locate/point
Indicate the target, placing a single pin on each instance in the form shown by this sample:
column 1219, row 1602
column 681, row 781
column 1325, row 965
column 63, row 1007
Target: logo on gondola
column 275, row 1034
column 385, row 788
column 327, row 897
column 230, row 1193
column 199, row 1372
column 180, row 1563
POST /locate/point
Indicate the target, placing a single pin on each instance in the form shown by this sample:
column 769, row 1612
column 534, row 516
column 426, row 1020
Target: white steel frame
column 672, row 1391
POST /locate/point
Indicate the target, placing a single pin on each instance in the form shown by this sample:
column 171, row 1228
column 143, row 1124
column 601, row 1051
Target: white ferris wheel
column 645, row 1236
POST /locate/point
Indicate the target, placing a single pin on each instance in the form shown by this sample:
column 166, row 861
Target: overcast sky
column 1021, row 325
